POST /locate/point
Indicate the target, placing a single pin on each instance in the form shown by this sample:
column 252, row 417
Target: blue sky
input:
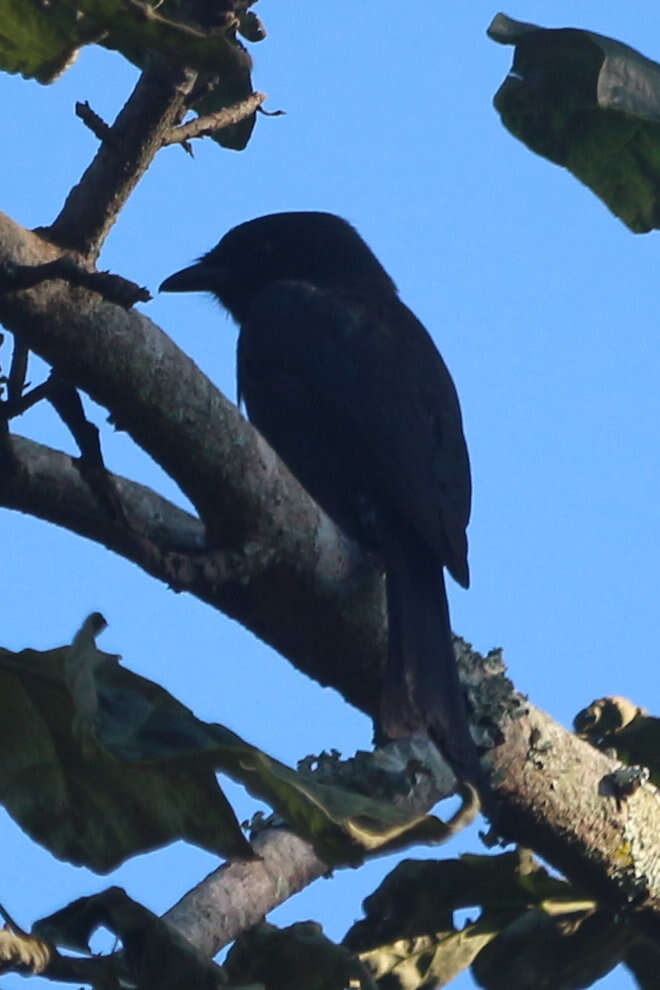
column 542, row 303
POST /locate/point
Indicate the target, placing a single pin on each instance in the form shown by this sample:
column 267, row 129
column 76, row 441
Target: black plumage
column 348, row 387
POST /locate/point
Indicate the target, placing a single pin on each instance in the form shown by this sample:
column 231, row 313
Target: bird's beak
column 196, row 278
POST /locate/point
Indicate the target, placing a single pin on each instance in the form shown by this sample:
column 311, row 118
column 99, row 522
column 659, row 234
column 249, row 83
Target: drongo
column 348, row 387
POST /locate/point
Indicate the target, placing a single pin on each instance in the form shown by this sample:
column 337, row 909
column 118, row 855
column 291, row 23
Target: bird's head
column 318, row 248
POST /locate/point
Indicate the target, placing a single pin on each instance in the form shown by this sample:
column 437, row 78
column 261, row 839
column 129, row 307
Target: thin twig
column 21, row 403
column 66, row 402
column 212, row 122
column 114, row 288
column 91, row 119
column 8, row 459
column 18, row 370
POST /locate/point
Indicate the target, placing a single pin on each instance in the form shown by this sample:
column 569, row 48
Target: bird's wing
column 355, row 397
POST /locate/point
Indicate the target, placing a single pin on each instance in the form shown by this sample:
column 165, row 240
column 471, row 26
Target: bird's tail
column 422, row 691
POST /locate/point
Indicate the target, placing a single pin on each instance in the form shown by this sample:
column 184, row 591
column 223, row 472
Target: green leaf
column 590, row 104
column 98, row 764
column 343, row 824
column 75, row 797
column 38, row 40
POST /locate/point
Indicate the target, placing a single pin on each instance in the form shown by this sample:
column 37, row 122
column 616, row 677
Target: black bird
column 347, row 386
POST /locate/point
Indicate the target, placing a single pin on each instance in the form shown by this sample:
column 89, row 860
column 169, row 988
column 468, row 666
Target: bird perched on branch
column 347, row 386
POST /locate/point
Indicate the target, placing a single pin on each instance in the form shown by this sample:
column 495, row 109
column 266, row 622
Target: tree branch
column 47, row 484
column 553, row 798
column 92, row 206
column 238, row 895
column 557, row 795
column 335, row 613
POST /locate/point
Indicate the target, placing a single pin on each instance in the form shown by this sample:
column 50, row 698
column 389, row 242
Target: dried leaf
column 157, row 957
column 22, row 953
column 619, row 724
column 409, row 938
